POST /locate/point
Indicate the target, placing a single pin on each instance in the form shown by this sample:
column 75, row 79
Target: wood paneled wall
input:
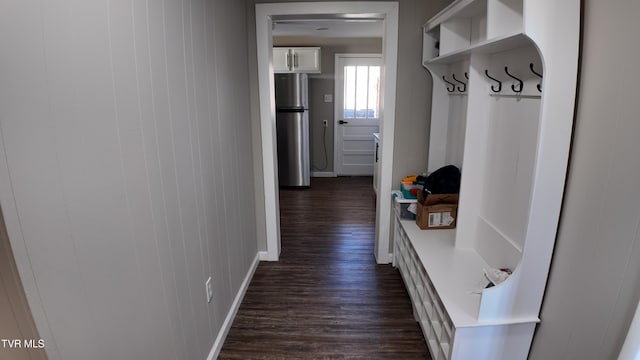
column 126, row 170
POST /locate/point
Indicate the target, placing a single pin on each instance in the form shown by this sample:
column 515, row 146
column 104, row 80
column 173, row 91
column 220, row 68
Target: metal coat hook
column 453, row 86
column 513, row 86
column 464, row 85
column 539, row 86
column 494, row 79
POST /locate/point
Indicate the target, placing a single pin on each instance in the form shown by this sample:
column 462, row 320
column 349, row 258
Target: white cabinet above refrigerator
column 296, row 60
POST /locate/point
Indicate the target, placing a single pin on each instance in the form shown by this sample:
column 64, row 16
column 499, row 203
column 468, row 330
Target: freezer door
column 293, row 148
column 291, row 91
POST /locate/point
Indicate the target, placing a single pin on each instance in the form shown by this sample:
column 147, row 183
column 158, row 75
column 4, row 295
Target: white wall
column 125, row 170
column 594, row 283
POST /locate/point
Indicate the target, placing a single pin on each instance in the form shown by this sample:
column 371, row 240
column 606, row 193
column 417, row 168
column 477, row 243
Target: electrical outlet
column 325, row 123
column 209, row 289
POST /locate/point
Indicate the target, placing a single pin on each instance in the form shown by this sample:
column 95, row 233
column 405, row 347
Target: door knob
column 342, row 122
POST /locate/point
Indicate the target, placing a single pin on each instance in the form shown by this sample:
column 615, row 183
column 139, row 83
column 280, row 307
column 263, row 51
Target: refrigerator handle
column 295, row 59
column 289, row 59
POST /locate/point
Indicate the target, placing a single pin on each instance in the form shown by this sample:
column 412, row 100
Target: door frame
column 336, row 111
column 388, row 12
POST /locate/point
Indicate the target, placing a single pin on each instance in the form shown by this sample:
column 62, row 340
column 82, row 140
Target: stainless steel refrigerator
column 292, row 124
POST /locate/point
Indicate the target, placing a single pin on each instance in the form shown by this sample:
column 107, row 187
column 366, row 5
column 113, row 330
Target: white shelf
column 489, row 46
column 456, row 9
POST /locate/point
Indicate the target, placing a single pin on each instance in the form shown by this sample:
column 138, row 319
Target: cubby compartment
column 504, row 18
column 427, row 330
column 428, row 307
column 445, row 350
column 503, row 170
column 451, row 89
column 455, row 35
column 431, row 43
column 461, row 26
column 437, row 329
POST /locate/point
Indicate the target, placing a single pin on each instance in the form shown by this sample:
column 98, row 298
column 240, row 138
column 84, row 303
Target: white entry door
column 357, row 112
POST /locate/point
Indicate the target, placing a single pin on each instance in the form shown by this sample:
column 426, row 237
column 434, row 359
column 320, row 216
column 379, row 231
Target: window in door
column 361, row 92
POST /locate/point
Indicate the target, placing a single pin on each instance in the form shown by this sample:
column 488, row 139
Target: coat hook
column 513, row 86
column 539, row 86
column 496, row 80
column 453, row 86
column 464, row 85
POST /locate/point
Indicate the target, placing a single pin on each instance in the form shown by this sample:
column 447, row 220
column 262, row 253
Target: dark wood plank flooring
column 326, row 298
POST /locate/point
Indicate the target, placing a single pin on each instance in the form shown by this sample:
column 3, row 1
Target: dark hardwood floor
column 326, row 298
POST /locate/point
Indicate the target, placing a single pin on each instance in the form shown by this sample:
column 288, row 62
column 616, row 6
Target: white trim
column 323, row 174
column 264, row 256
column 228, row 321
column 389, row 12
column 387, row 131
column 264, row 44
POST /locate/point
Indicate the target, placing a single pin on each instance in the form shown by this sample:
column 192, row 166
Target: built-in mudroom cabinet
column 504, row 83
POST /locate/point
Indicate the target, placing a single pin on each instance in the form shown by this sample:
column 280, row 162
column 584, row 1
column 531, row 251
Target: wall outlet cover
column 209, row 289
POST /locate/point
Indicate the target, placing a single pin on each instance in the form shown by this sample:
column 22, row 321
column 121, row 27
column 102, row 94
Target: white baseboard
column 383, row 260
column 322, row 174
column 265, row 256
column 228, row 321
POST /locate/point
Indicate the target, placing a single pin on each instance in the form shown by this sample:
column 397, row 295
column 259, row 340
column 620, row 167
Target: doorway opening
column 266, row 14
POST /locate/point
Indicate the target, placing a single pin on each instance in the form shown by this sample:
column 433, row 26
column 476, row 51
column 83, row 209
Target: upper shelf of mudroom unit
column 470, row 25
column 491, row 46
column 457, row 9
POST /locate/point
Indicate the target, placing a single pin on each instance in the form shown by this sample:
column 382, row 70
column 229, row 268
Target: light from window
column 361, row 92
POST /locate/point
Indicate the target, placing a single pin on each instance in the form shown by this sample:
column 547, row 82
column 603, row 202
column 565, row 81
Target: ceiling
column 328, row 27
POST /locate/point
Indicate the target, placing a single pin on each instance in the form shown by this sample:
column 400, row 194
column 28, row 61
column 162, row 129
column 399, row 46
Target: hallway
column 326, row 297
